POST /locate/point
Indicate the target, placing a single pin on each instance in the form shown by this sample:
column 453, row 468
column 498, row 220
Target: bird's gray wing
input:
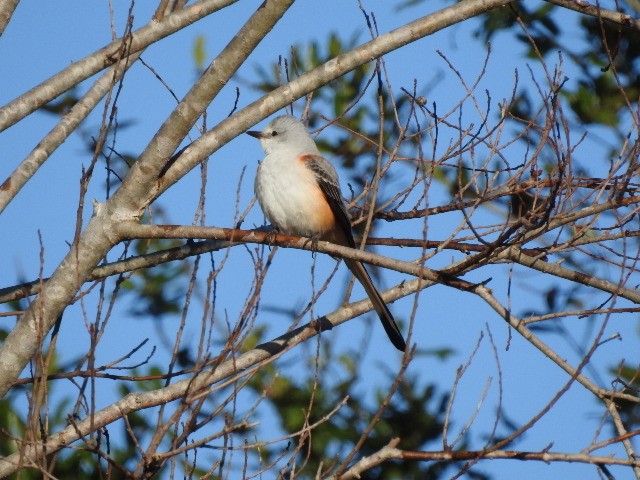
column 330, row 186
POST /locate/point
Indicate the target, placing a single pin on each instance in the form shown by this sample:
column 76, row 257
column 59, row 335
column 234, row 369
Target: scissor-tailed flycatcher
column 299, row 193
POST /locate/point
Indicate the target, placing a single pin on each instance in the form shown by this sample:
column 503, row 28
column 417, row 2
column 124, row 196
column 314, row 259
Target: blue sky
column 45, row 37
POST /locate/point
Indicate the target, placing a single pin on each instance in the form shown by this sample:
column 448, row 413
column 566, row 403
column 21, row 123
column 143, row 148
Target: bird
column 299, row 193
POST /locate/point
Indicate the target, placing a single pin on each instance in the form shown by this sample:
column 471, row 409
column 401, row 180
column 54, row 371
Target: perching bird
column 299, row 193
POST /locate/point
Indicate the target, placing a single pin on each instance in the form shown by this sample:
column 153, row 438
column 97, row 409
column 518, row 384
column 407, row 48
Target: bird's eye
column 274, row 133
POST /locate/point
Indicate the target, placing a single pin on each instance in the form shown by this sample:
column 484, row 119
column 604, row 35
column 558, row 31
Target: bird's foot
column 313, row 240
column 270, row 238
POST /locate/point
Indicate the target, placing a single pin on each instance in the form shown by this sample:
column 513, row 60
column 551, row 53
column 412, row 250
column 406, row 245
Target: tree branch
column 78, row 71
column 514, row 254
column 65, row 127
column 7, row 7
column 391, row 452
column 581, row 6
column 516, row 455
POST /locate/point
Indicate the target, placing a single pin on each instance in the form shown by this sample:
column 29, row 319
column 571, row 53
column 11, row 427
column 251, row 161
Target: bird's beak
column 255, row 133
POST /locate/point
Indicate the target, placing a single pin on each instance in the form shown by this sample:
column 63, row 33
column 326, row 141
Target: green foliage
column 199, row 52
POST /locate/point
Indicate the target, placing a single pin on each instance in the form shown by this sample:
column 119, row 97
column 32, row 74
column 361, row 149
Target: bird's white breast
column 290, row 197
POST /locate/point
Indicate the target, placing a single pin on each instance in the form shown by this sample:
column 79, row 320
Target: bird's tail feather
column 379, row 305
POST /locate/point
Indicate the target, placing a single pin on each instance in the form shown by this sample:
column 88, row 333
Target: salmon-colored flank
column 323, row 218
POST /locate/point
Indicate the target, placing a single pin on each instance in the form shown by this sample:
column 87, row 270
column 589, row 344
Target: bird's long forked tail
column 379, row 305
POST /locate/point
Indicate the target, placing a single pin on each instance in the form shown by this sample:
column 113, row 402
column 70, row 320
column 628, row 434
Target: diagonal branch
column 515, row 255
column 518, row 325
column 78, row 71
column 133, row 230
column 65, row 127
column 596, row 11
column 7, row 7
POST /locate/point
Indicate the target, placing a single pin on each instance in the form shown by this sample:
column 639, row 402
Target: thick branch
column 106, row 56
column 517, row 455
column 134, row 230
column 7, row 7
column 141, row 183
column 65, row 127
column 519, row 325
column 598, row 12
column 221, row 238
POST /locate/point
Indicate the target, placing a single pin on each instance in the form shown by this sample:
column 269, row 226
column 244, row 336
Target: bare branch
column 65, row 127
column 587, row 8
column 7, row 7
column 106, row 56
column 391, row 452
